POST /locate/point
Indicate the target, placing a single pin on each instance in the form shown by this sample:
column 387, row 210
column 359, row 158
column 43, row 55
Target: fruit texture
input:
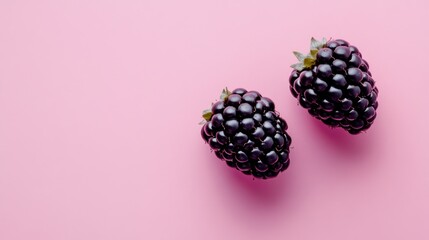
column 244, row 130
column 334, row 83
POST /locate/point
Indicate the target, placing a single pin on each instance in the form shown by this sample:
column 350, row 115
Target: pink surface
column 100, row 100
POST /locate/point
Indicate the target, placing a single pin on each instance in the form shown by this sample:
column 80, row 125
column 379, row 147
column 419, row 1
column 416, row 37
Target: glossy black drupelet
column 245, row 131
column 338, row 89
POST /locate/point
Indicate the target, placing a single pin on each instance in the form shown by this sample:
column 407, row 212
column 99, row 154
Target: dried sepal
column 298, row 66
column 299, row 56
column 313, row 53
column 309, row 60
column 225, row 94
column 207, row 114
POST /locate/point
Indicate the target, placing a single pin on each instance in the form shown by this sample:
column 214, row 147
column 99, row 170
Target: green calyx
column 207, row 114
column 309, row 60
column 225, row 94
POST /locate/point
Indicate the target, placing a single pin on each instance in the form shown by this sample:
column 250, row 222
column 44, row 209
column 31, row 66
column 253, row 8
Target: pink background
column 100, row 103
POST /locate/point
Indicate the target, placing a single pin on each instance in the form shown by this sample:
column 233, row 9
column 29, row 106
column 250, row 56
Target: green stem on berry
column 309, row 60
column 207, row 114
column 225, row 94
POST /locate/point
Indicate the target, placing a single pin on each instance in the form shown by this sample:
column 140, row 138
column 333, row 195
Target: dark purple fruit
column 244, row 129
column 335, row 85
column 324, row 55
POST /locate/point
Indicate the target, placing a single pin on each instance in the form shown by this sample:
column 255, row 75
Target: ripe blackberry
column 334, row 83
column 245, row 131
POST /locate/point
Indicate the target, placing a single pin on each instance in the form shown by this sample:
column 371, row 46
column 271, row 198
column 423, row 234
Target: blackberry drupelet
column 334, row 83
column 245, row 131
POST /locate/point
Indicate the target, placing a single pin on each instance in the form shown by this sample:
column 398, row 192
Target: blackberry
column 245, row 131
column 334, row 83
